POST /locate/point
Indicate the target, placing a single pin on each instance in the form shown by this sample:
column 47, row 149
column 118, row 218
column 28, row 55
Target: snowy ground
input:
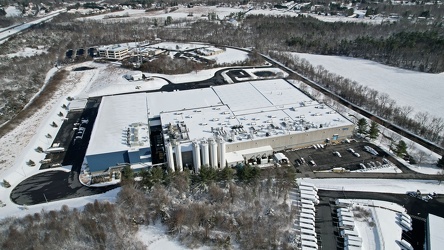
column 395, row 186
column 181, row 12
column 155, row 237
column 331, row 19
column 408, row 88
column 221, row 12
column 25, row 52
column 386, row 231
column 12, row 11
column 229, row 56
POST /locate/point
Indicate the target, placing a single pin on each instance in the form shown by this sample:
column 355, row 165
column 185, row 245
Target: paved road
column 59, row 185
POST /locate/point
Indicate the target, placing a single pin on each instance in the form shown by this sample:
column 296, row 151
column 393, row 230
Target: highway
column 16, row 29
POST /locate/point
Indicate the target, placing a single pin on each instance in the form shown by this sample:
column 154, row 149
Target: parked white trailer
column 352, row 243
column 343, row 203
column 308, row 206
column 346, row 218
column 307, row 188
column 311, row 232
column 308, row 248
column 311, row 244
column 307, row 221
column 345, row 214
column 345, row 232
column 306, row 226
column 307, row 216
column 309, row 238
column 311, row 193
column 308, row 211
column 347, row 224
column 307, row 184
column 406, row 245
column 309, row 197
column 353, row 238
column 406, row 226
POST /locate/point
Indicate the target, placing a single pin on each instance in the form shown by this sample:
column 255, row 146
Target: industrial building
column 219, row 126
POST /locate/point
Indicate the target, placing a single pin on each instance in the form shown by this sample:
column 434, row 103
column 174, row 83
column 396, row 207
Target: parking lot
column 347, row 155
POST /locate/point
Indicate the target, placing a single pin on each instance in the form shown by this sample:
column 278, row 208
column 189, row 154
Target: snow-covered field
column 229, row 56
column 199, row 12
column 181, row 12
column 25, row 52
column 408, row 88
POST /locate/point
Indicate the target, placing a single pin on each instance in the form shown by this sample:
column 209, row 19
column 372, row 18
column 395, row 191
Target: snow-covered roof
column 242, row 111
column 435, row 228
column 116, row 116
column 160, row 102
column 114, row 47
column 178, row 46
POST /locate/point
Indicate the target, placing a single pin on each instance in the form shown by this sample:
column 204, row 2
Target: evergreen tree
column 127, row 174
column 247, row 173
column 226, row 174
column 362, row 126
column 401, row 148
column 207, row 174
column 374, row 130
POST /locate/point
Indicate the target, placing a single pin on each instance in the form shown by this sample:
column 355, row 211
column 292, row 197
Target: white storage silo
column 196, row 156
column 213, row 152
column 170, row 159
column 178, row 152
column 222, row 153
column 205, row 153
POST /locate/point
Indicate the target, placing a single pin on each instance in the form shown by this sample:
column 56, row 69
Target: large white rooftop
column 116, row 115
column 236, row 112
column 435, row 229
column 159, row 102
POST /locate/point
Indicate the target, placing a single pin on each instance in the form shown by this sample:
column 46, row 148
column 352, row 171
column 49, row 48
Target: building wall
column 102, row 162
column 294, row 140
column 283, row 142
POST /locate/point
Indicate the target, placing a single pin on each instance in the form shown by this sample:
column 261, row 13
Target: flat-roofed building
column 120, row 134
column 116, row 52
column 223, row 125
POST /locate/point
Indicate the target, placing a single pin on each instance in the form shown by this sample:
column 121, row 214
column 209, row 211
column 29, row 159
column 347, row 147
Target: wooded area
column 219, row 212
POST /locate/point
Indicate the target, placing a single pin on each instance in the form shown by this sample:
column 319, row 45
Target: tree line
column 421, row 123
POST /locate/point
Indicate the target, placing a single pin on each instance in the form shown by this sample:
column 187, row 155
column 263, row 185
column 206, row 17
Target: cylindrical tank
column 196, row 156
column 170, row 159
column 222, row 153
column 205, row 153
column 178, row 157
column 213, row 152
